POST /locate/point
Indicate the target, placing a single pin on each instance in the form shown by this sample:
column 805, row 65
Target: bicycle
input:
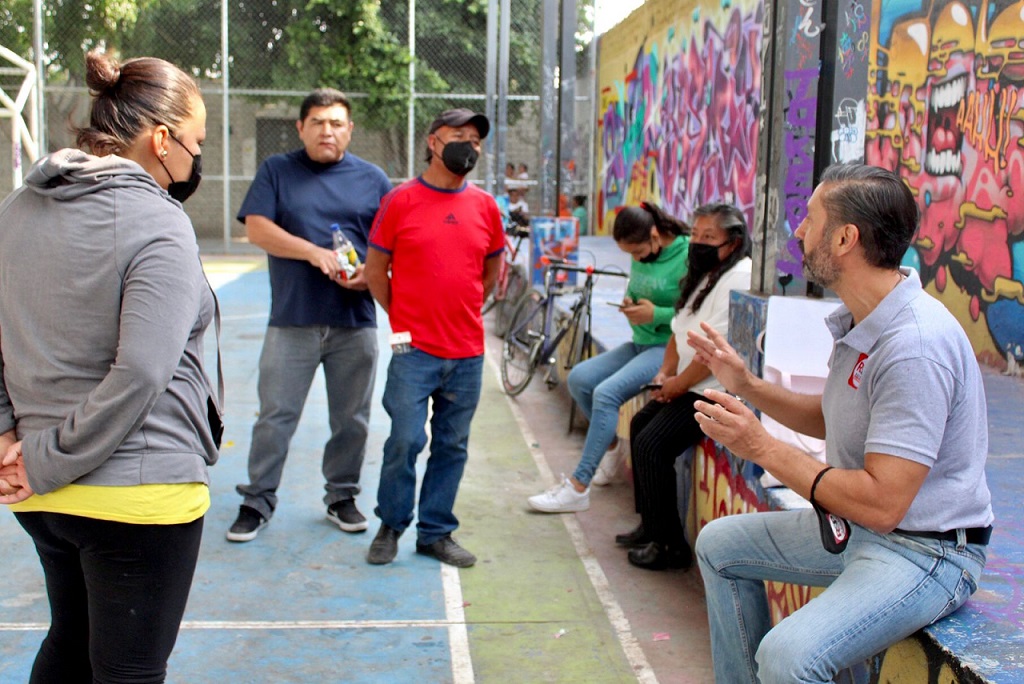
column 535, row 333
column 511, row 282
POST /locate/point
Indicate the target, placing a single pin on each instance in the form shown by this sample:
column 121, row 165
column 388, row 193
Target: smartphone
column 650, row 386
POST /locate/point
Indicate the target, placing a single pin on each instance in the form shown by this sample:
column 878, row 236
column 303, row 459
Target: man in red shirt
column 442, row 239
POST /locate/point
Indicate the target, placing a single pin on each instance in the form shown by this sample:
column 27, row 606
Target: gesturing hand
column 729, row 422
column 713, row 351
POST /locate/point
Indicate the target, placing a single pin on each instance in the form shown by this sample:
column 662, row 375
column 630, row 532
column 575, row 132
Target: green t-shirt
column 659, row 282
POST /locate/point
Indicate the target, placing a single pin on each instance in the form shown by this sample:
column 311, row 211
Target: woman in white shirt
column 719, row 261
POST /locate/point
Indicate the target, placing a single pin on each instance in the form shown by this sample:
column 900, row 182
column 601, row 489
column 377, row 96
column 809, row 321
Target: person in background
column 108, row 420
column 317, row 316
column 518, row 209
column 441, row 238
column 658, row 244
column 901, row 515
column 719, row 262
column 579, row 210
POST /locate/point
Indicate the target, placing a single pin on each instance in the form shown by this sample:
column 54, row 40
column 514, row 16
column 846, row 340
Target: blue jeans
column 288, row 363
column 881, row 589
column 600, row 385
column 452, row 386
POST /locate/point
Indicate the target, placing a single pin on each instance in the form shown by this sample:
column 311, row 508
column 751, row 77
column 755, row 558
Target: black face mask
column 459, row 157
column 703, row 258
column 651, row 257
column 182, row 190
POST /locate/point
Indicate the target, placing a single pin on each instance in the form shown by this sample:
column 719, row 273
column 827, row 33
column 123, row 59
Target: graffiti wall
column 679, row 94
column 945, row 108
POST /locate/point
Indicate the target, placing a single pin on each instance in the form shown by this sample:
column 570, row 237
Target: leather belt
column 975, row 535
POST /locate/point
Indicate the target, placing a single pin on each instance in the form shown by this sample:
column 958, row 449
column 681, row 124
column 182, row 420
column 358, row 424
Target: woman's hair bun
column 101, row 72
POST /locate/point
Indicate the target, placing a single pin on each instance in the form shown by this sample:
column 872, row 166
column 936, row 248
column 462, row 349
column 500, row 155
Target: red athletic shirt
column 438, row 241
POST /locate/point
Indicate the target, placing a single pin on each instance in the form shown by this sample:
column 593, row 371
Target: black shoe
column 447, row 551
column 384, row 546
column 345, row 515
column 247, row 525
column 658, row 556
column 635, row 538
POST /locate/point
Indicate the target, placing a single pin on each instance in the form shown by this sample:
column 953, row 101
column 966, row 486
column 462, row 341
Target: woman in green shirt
column 659, row 246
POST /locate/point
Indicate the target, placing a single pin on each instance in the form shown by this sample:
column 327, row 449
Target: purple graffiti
column 801, row 116
column 681, row 129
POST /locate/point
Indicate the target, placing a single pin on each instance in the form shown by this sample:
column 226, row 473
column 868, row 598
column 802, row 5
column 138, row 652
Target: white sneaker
column 609, row 469
column 562, row 498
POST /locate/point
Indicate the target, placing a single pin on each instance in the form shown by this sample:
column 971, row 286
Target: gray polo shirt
column 905, row 382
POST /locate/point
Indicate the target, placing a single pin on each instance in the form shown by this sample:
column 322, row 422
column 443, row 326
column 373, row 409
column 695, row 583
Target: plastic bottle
column 348, row 259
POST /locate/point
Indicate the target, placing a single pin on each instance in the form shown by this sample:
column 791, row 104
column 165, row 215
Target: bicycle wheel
column 514, row 289
column 520, row 352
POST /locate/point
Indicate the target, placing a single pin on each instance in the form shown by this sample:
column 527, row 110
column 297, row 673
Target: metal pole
column 594, row 114
column 410, row 133
column 549, row 138
column 37, row 46
column 566, row 103
column 492, row 86
column 501, row 141
column 225, row 123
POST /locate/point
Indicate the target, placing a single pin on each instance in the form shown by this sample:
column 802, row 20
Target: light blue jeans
column 603, row 383
column 881, row 589
column 452, row 388
column 288, row 363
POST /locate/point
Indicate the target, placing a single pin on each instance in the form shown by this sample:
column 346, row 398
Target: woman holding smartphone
column 719, row 261
column 659, row 246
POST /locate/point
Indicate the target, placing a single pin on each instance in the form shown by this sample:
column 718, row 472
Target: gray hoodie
column 103, row 304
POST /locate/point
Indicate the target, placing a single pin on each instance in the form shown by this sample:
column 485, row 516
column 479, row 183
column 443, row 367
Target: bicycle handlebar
column 562, row 265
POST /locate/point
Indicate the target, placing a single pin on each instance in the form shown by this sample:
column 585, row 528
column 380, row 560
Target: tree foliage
column 282, row 45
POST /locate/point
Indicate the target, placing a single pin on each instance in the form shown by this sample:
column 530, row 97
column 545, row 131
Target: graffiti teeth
column 943, row 163
column 948, row 94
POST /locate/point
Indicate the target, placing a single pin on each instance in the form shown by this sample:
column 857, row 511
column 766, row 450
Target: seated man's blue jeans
column 453, row 388
column 600, row 385
column 882, row 589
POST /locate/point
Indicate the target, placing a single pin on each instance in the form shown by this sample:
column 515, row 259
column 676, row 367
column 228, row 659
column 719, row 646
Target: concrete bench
column 984, row 640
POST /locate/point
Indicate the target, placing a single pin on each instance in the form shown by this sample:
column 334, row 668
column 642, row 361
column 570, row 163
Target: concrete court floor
column 550, row 600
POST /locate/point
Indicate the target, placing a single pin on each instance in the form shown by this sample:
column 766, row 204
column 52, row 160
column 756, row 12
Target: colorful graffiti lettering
column 946, row 111
column 681, row 127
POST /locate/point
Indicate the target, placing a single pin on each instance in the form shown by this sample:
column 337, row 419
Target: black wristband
column 817, row 479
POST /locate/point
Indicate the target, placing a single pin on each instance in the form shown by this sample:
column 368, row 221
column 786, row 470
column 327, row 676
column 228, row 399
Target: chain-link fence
column 400, row 62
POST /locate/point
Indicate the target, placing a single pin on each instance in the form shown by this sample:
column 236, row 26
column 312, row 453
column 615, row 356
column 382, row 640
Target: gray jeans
column 288, row 363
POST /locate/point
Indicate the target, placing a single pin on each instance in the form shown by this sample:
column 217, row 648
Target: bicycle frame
column 509, row 259
column 531, row 342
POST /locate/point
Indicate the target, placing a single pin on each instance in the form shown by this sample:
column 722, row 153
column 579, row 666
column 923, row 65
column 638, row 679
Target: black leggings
column 117, row 594
column 658, row 434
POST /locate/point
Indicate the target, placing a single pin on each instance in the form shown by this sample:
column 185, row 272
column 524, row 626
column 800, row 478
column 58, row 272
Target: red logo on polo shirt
column 858, row 371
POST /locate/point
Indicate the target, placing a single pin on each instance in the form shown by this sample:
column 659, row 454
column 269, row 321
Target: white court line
column 458, row 636
column 631, row 647
column 274, row 624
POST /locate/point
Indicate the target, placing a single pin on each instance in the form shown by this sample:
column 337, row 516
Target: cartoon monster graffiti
column 946, row 110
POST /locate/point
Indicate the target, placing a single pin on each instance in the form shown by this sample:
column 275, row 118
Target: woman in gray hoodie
column 107, row 417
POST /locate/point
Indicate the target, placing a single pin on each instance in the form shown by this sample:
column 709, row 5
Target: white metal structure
column 24, row 135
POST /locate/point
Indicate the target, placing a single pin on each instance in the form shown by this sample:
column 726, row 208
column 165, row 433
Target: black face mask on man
column 459, row 157
column 182, row 190
column 703, row 258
